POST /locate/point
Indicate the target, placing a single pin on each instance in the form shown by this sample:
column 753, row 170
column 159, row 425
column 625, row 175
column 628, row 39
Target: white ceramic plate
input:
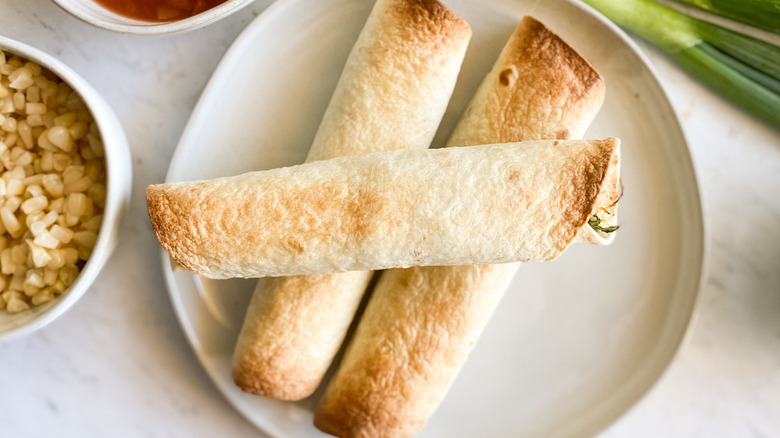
column 575, row 342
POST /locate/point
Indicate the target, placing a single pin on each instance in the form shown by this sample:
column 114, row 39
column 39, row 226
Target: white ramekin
column 93, row 13
column 118, row 186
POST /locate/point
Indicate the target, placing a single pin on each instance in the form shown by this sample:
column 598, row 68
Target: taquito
column 421, row 323
column 455, row 206
column 392, row 94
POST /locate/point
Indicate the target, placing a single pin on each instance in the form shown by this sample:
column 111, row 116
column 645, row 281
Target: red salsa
column 158, row 10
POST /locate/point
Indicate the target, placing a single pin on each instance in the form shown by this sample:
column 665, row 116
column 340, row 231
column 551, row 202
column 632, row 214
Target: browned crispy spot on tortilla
column 194, row 225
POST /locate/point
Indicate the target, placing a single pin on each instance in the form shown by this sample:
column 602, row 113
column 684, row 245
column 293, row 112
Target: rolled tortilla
column 454, row 206
column 400, row 73
column 421, row 323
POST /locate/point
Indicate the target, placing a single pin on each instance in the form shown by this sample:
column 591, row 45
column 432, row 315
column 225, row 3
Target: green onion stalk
column 743, row 69
column 761, row 14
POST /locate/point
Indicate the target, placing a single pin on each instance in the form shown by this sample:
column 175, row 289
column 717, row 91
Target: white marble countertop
column 130, row 372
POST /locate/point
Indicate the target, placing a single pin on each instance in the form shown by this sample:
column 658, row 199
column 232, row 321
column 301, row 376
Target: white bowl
column 118, row 184
column 93, row 13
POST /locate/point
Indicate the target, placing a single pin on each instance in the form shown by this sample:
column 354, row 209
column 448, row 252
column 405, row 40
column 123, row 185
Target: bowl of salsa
column 151, row 17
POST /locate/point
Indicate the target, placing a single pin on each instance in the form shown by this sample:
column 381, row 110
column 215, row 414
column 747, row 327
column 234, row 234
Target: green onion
column 741, row 68
column 762, row 14
column 595, row 223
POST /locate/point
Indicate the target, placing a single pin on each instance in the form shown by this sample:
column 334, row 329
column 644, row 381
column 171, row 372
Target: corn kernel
column 44, row 296
column 16, row 305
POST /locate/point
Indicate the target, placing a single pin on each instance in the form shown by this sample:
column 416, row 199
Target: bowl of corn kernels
column 64, row 182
